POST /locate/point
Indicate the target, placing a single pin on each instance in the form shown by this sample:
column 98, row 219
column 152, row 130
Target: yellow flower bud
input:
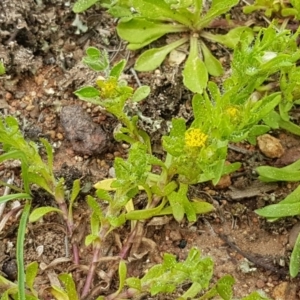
column 194, row 137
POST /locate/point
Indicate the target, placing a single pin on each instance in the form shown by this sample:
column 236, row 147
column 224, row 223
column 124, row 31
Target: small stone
column 175, row 235
column 86, row 137
column 281, row 291
column 60, row 136
column 52, row 134
column 29, row 107
column 224, row 182
column 8, row 96
column 260, row 284
column 270, row 146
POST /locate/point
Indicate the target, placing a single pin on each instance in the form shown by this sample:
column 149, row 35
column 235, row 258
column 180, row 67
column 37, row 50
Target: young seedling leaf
column 87, row 92
column 232, row 38
column 105, row 184
column 20, row 249
column 195, row 75
column 134, row 283
column 14, row 197
column 155, row 10
column 142, row 31
column 213, row 66
column 59, row 293
column 41, row 211
column 256, row 296
column 89, row 239
column 279, row 210
column 295, row 259
column 217, row 8
column 75, row 190
column 94, row 205
column 151, row 59
column 70, row 286
column 177, row 206
column 2, row 68
column 96, row 60
column 122, row 275
column 117, row 69
column 83, row 5
column 31, row 272
column 224, row 287
column 141, row 93
column 269, row 174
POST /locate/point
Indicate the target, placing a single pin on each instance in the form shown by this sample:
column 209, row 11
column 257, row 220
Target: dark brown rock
column 86, row 137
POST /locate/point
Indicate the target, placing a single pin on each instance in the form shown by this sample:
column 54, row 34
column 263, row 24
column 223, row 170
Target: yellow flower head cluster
column 232, row 112
column 194, row 137
column 108, row 87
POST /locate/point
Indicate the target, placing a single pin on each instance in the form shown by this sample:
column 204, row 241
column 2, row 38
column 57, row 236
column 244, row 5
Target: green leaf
column 151, row 59
column 20, row 250
column 141, row 31
column 87, row 92
column 14, row 197
column 269, row 174
column 256, row 296
column 31, row 272
column 134, row 283
column 218, row 8
column 295, row 259
column 213, row 66
column 232, row 38
column 195, row 75
column 75, row 190
column 70, row 286
column 122, row 274
column 177, row 206
column 279, row 210
column 59, row 293
column 41, row 211
column 2, row 68
column 141, row 93
column 96, row 60
column 255, row 131
column 118, row 68
column 224, row 287
column 153, row 9
column 94, row 205
column 83, row 5
column 89, row 239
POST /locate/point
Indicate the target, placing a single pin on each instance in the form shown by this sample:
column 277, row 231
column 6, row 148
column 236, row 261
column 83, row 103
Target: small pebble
column 260, row 284
column 175, row 235
column 60, row 136
column 8, row 96
column 270, row 146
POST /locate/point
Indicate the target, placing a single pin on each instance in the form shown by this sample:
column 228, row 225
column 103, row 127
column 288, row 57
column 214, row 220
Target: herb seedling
column 112, row 94
column 153, row 19
column 290, row 206
column 275, row 7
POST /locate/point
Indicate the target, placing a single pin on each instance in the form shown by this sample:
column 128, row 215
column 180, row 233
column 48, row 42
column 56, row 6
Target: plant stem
column 96, row 256
column 20, row 250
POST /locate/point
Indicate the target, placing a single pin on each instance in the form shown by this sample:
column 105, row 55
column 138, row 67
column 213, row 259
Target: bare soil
column 42, row 53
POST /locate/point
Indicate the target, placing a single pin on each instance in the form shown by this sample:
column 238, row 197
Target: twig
column 259, row 261
column 133, row 72
column 6, row 192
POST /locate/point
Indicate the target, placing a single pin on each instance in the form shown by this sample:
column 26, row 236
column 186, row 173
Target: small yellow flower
column 232, row 112
column 108, row 87
column 194, row 137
